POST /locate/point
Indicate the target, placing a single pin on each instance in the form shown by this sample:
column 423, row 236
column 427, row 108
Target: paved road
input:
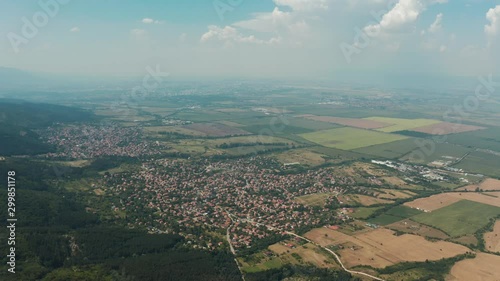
column 232, row 248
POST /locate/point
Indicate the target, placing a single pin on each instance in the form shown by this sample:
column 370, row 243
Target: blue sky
column 253, row 38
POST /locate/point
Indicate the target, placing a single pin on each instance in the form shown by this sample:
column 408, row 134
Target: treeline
column 301, row 273
column 480, row 233
column 413, row 134
column 435, row 269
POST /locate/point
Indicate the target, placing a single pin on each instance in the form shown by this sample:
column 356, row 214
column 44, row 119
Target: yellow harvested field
column 486, row 185
column 492, row 239
column 438, row 201
column 432, row 203
column 484, row 267
column 380, row 248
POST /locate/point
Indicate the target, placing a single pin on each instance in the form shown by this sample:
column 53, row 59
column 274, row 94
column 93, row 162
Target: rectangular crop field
column 486, row 139
column 444, row 152
column 350, row 138
column 391, row 150
column 482, row 163
column 445, row 128
column 399, row 124
column 350, row 122
column 460, row 218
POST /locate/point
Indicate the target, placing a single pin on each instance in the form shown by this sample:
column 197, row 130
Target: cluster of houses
column 87, row 141
column 248, row 197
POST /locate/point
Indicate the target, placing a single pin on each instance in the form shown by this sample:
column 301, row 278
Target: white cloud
column 437, row 24
column 150, row 21
column 303, row 5
column 291, row 25
column 493, row 16
column 267, row 22
column 75, row 29
column 443, row 48
column 229, row 34
column 401, row 16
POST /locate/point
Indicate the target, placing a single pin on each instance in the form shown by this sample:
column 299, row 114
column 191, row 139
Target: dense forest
column 19, row 120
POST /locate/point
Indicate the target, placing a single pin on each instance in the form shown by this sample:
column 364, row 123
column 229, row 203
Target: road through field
column 336, row 257
column 305, row 239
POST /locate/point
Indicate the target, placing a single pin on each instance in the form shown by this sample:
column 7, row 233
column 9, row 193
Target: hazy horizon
column 280, row 39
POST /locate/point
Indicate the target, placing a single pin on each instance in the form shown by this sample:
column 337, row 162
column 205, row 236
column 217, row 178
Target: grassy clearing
column 317, row 199
column 403, row 212
column 461, row 218
column 302, row 156
column 394, row 215
column 350, row 138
